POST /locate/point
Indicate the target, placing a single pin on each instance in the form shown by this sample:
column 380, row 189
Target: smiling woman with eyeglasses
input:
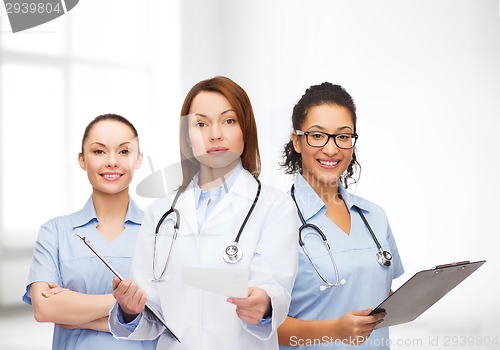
column 347, row 254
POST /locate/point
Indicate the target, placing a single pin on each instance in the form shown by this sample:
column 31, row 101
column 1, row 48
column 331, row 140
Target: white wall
column 426, row 79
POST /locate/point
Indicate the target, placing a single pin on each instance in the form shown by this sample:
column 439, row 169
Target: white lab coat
column 202, row 319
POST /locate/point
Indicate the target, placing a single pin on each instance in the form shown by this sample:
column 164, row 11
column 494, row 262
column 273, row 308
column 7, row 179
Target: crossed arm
column 70, row 309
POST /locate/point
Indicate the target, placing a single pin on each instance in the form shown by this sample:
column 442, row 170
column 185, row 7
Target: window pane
column 47, row 38
column 112, row 30
column 33, row 158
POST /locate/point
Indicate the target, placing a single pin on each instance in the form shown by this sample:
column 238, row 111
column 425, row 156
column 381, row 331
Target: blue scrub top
column 61, row 257
column 368, row 283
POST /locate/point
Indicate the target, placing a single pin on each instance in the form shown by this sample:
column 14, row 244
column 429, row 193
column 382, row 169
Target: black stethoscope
column 384, row 257
column 232, row 253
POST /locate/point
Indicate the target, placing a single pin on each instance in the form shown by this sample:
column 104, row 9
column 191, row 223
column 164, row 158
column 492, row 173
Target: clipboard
column 422, row 291
column 148, row 306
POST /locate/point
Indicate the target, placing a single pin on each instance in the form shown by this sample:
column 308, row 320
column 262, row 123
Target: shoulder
column 274, row 192
column 369, row 207
column 62, row 221
column 54, row 231
column 266, row 190
column 159, row 206
column 274, row 198
column 78, row 218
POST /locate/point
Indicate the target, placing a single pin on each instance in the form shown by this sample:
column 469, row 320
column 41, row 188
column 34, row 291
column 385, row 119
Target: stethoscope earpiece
column 340, row 283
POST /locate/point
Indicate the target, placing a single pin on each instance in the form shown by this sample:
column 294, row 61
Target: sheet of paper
column 227, row 282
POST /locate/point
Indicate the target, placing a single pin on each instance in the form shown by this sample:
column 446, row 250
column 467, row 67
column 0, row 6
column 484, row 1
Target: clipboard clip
column 459, row 263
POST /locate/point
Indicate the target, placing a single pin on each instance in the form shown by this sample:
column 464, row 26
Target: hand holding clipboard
column 422, row 291
column 112, row 269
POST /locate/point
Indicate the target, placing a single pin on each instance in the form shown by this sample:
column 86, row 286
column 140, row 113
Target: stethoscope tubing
column 232, row 259
column 384, row 257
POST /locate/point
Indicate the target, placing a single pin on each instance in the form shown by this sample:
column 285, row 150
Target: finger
column 377, row 318
column 137, row 303
column 248, row 316
column 137, row 294
column 116, row 281
column 361, row 312
column 123, row 292
column 48, row 293
column 122, row 286
column 243, row 303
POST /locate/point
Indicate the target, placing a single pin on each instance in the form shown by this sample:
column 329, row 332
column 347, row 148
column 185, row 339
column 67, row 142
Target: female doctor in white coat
column 226, row 219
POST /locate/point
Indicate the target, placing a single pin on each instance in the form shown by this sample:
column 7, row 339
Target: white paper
column 228, row 282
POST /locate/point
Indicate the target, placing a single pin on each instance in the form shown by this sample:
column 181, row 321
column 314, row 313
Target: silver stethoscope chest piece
column 384, row 258
column 232, row 254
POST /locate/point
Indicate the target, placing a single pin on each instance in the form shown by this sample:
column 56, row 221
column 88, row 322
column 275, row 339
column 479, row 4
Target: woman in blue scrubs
column 332, row 310
column 67, row 284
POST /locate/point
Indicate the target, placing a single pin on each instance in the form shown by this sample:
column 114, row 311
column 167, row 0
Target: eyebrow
column 322, row 128
column 221, row 114
column 103, row 145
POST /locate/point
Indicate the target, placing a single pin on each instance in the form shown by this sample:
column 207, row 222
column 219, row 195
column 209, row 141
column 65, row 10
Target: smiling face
column 110, row 156
column 323, row 166
column 214, row 133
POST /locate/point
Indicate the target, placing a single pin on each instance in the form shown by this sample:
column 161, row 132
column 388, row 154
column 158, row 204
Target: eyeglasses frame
column 334, row 136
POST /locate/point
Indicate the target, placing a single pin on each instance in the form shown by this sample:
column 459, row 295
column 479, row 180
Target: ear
column 81, row 160
column 140, row 157
column 296, row 143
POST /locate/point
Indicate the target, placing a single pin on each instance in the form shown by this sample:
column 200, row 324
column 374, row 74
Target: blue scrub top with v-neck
column 367, row 282
column 61, row 257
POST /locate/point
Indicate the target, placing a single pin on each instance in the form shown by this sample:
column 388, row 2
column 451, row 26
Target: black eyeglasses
column 320, row 139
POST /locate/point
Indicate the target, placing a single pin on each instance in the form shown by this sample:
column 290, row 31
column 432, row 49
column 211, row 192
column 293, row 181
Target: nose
column 112, row 160
column 215, row 132
column 330, row 148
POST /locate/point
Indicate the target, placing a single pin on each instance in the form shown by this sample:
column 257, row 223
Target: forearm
column 294, row 330
column 69, row 307
column 100, row 325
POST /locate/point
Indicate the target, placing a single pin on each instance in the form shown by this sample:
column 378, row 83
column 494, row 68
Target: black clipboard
column 422, row 291
column 148, row 306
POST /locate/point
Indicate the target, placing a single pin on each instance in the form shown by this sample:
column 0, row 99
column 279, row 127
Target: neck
column 328, row 192
column 109, row 207
column 210, row 178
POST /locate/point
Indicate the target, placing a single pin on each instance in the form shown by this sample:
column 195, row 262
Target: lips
column 111, row 176
column 328, row 163
column 215, row 150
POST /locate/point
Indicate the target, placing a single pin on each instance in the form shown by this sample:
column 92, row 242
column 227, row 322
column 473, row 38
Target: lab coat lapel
column 234, row 205
column 187, row 210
